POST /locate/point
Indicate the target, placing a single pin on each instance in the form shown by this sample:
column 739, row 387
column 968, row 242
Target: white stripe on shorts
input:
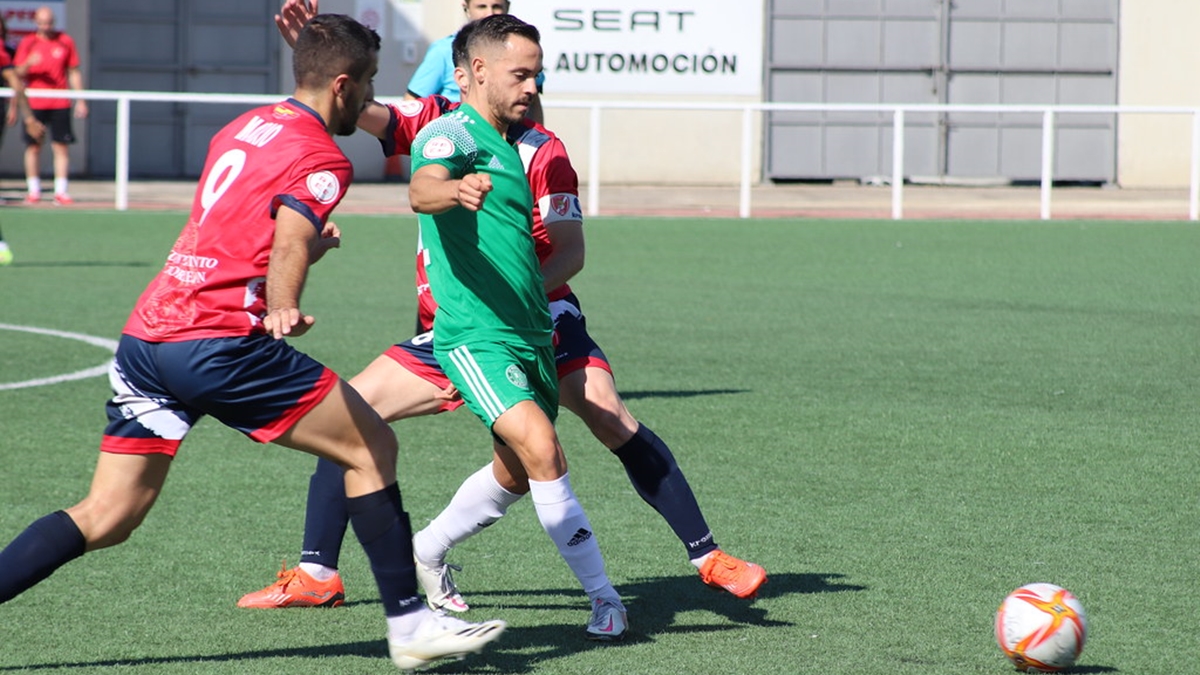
column 148, row 411
column 480, row 388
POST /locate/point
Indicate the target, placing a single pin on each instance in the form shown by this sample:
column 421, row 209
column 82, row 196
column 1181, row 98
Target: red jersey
column 552, row 180
column 214, row 281
column 55, row 56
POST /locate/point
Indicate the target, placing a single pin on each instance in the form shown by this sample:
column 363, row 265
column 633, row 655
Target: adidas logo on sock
column 581, row 536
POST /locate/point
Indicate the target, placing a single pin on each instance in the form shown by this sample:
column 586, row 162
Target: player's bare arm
column 566, row 260
column 30, row 61
column 20, row 106
column 75, row 80
column 375, row 119
column 295, row 244
column 331, row 238
column 432, row 190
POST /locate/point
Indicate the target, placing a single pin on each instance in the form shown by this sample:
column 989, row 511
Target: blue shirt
column 435, row 75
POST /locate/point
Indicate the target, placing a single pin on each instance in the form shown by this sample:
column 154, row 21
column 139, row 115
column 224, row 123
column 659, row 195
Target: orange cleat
column 296, row 588
column 63, row 199
column 739, row 577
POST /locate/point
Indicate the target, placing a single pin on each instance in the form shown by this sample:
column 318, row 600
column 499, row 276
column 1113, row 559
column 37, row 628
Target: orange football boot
column 739, row 577
column 296, row 588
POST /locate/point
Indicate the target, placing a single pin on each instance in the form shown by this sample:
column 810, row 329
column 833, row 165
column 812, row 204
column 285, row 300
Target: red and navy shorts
column 255, row 384
column 574, row 349
column 416, row 356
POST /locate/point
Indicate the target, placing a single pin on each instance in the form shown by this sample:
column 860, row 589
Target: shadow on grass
column 634, row 395
column 653, row 604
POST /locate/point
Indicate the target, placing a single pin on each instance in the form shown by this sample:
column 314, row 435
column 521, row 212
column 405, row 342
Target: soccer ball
column 1041, row 628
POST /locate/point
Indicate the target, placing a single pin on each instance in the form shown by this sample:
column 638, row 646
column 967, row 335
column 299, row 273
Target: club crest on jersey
column 284, row 113
column 517, row 376
column 411, row 108
column 564, row 204
column 437, row 148
column 324, row 186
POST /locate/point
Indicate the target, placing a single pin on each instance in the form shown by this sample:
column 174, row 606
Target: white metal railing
column 748, row 110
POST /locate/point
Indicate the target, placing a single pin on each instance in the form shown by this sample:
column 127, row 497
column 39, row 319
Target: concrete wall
column 1158, row 62
column 1158, row 65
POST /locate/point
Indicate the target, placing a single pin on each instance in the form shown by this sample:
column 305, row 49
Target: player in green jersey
column 493, row 326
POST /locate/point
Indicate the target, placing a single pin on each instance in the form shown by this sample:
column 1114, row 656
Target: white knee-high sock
column 563, row 519
column 479, row 502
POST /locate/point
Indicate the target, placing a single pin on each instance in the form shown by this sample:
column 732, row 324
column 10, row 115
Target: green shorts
column 493, row 377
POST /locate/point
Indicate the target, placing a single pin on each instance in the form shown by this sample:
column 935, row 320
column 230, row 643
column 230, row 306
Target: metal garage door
column 941, row 51
column 176, row 45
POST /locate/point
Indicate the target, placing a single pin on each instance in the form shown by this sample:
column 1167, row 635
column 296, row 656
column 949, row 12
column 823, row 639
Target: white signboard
column 701, row 47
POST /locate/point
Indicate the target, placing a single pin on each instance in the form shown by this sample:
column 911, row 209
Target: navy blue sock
column 659, row 481
column 385, row 533
column 46, row 545
column 325, row 518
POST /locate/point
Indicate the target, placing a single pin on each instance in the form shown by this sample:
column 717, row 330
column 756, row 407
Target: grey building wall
column 941, row 51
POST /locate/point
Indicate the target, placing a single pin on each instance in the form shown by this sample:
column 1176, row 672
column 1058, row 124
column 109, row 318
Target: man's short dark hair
column 489, row 30
column 330, row 45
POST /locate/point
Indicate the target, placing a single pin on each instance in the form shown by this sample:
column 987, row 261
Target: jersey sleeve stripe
column 388, row 142
column 297, row 206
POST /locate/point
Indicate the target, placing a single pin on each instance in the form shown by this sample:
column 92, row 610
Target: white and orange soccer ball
column 1041, row 628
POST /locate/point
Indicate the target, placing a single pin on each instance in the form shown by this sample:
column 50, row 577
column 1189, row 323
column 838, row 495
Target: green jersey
column 483, row 270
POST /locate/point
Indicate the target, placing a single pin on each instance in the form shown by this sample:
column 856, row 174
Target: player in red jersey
column 406, row 381
column 205, row 339
column 47, row 59
column 11, row 111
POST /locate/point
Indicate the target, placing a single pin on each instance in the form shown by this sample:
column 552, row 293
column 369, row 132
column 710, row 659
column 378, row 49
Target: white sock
column 60, row 186
column 318, row 571
column 563, row 519
column 34, row 186
column 479, row 502
column 699, row 562
column 401, row 629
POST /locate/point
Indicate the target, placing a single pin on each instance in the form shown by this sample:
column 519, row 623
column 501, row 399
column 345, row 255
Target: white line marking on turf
column 110, row 345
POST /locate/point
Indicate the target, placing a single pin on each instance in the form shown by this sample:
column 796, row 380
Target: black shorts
column 58, row 123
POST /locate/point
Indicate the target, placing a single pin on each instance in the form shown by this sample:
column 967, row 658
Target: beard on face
column 347, row 126
column 504, row 109
column 348, row 122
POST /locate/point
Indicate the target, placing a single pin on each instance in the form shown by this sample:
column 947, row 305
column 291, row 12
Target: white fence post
column 1194, row 191
column 1047, row 160
column 594, row 163
column 747, row 157
column 122, row 168
column 898, row 164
